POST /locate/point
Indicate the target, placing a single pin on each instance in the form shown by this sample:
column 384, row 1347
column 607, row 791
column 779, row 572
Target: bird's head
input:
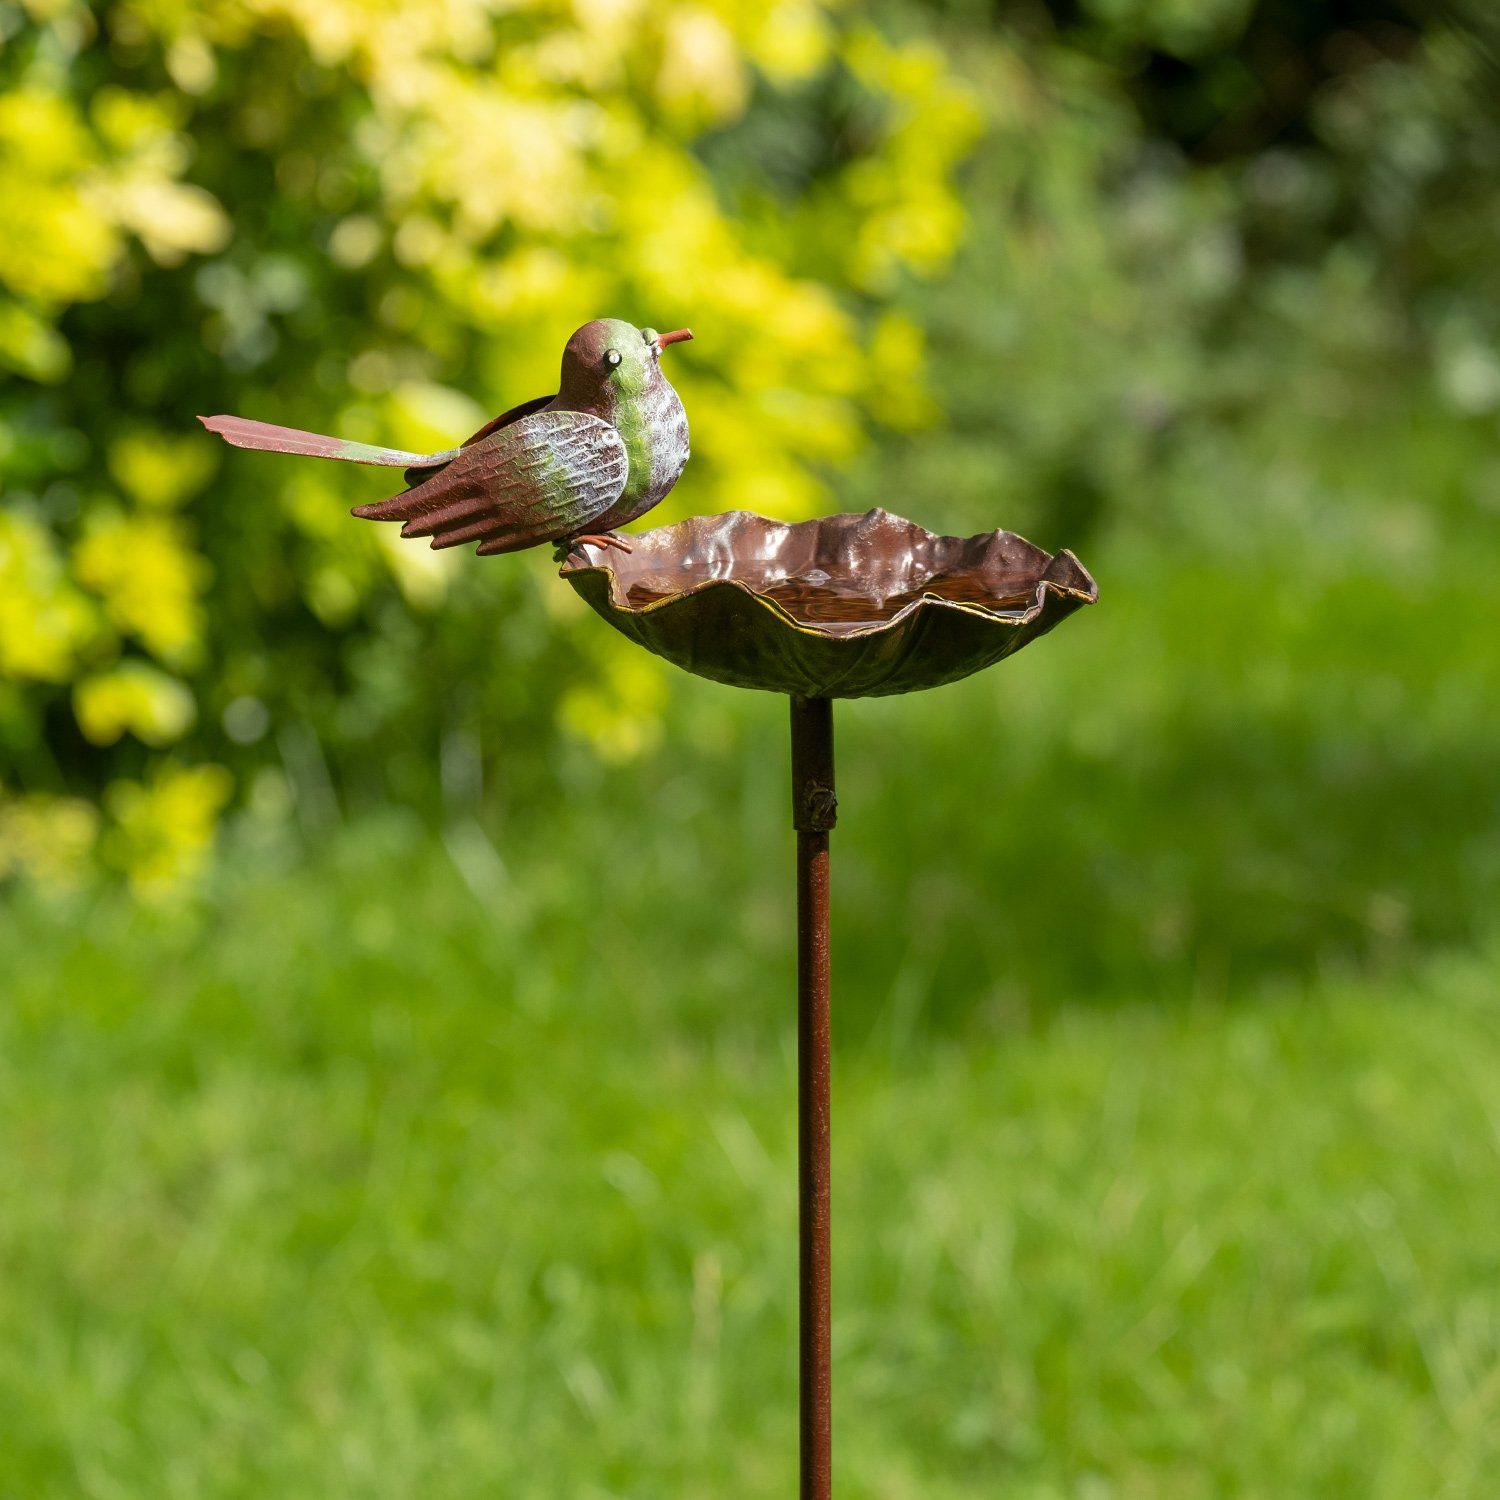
column 611, row 360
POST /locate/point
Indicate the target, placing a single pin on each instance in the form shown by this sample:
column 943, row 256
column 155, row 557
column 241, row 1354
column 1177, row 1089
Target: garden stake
column 848, row 606
column 814, row 810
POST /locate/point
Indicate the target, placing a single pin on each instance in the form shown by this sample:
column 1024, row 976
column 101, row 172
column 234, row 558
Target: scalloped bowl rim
column 619, row 600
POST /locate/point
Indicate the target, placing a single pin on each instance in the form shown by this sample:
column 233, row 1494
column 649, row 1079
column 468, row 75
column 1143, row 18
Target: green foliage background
column 388, row 220
column 1171, row 942
column 1231, row 339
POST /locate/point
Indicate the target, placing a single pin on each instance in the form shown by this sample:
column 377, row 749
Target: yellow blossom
column 149, row 578
column 49, row 839
column 160, row 469
column 161, row 829
column 134, row 698
column 44, row 619
column 619, row 714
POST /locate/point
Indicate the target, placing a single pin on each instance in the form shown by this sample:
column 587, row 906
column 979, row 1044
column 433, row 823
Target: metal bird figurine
column 566, row 468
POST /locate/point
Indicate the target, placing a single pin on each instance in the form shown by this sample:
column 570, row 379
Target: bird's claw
column 606, row 539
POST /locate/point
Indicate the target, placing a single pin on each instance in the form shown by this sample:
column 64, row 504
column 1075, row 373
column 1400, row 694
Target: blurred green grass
column 390, row 1175
column 442, row 1156
column 1168, row 1072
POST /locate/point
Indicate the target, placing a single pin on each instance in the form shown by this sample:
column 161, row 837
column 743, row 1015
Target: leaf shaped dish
column 846, row 606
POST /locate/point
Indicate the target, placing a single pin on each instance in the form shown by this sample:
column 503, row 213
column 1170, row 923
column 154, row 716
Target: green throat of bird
column 631, row 419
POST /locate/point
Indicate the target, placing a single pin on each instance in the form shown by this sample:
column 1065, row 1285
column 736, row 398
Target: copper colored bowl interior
column 835, row 579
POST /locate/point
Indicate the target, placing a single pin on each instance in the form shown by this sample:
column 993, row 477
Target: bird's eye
column 612, row 358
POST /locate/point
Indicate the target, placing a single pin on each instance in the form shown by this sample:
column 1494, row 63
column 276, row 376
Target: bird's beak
column 677, row 336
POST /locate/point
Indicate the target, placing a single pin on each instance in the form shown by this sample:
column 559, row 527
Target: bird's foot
column 567, row 548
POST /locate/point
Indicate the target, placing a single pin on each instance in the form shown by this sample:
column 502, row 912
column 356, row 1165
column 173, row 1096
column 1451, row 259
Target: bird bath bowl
column 847, row 606
column 850, row 606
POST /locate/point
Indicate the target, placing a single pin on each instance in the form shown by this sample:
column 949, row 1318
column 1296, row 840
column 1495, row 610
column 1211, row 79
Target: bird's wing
column 266, row 436
column 418, row 472
column 505, row 418
column 545, row 476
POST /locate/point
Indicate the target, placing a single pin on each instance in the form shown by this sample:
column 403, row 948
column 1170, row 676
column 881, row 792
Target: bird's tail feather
column 244, row 433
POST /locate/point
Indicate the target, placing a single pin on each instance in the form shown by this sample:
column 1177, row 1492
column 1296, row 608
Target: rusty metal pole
column 813, row 812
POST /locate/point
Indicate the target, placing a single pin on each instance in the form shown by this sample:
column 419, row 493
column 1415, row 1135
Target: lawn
column 341, row 1185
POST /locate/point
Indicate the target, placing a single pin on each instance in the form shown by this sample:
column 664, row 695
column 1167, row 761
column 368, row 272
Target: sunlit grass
column 374, row 1181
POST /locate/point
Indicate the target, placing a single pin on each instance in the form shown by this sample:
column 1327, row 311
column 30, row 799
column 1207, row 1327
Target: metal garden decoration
column 847, row 606
column 563, row 468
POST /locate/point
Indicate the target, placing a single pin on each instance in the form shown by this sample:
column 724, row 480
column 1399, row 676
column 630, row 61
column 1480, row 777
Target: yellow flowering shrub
column 133, row 698
column 149, row 579
column 162, row 829
column 45, row 620
column 383, row 219
column 50, row 838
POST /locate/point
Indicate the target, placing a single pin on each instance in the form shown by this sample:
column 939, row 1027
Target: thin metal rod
column 813, row 813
